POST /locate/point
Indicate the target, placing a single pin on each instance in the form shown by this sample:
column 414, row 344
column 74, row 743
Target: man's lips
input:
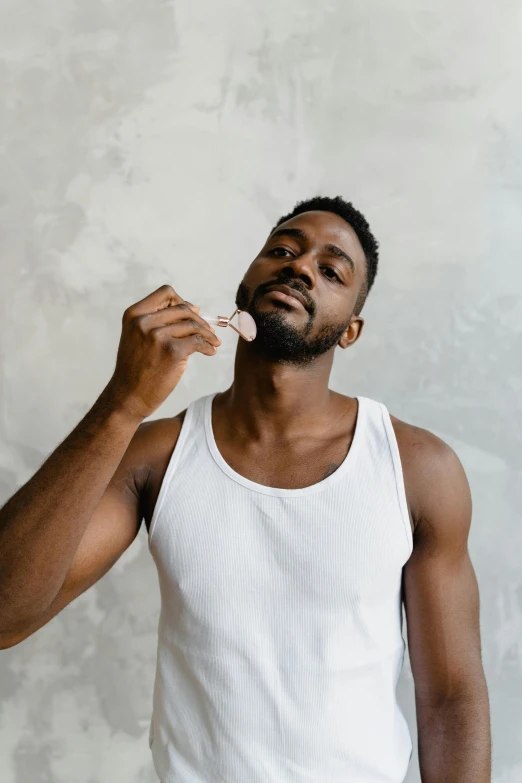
column 286, row 289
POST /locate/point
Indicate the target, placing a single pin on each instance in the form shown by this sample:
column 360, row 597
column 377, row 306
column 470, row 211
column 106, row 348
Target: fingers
column 177, row 343
column 176, row 323
column 187, row 328
column 173, row 315
column 197, row 343
column 164, row 296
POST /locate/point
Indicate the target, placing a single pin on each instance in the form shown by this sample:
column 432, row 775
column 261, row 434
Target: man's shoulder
column 431, row 468
column 149, row 454
column 155, row 431
column 416, row 444
column 154, row 441
column 421, row 446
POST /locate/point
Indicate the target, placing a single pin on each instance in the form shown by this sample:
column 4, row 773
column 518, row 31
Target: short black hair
column 358, row 222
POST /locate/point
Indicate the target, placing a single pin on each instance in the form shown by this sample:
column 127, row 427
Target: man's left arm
column 441, row 599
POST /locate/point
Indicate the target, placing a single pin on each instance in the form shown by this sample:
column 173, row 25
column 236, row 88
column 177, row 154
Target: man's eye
column 335, row 276
column 276, row 250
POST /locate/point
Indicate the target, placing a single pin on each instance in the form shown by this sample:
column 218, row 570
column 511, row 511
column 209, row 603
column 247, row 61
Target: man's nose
column 301, row 267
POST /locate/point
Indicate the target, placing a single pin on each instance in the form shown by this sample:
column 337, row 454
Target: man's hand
column 159, row 334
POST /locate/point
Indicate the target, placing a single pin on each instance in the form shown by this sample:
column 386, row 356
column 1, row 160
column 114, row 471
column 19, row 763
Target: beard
column 280, row 341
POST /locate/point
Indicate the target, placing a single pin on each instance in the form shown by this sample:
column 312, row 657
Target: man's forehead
column 319, row 225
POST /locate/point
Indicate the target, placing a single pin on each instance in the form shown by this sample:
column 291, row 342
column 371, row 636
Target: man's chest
column 292, row 465
column 287, row 465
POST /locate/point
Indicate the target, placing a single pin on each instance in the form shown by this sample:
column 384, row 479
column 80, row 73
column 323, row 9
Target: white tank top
column 280, row 633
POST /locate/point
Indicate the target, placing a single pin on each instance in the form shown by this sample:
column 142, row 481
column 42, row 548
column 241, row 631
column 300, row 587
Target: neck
column 270, row 400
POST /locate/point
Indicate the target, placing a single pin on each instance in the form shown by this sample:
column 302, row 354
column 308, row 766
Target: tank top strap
column 386, row 441
column 192, row 422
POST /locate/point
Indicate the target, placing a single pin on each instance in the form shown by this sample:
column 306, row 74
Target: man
column 287, row 522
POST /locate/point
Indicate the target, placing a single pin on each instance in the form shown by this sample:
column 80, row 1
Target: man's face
column 318, row 255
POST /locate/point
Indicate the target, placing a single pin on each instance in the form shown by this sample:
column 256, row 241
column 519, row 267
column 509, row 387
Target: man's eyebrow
column 290, row 232
column 336, row 251
column 332, row 249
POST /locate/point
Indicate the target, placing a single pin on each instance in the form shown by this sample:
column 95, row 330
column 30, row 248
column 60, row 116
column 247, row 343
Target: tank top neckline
column 319, row 486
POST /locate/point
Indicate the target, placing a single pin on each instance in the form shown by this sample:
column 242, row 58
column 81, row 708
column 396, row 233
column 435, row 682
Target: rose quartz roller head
column 247, row 326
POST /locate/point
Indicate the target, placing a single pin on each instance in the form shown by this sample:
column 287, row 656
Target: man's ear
column 352, row 333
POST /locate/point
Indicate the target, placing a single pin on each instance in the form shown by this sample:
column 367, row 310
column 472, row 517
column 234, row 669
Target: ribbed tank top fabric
column 280, row 632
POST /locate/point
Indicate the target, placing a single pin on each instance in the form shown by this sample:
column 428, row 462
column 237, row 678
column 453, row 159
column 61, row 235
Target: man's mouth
column 285, row 293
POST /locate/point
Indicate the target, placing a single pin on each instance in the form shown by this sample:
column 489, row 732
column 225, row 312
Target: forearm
column 42, row 525
column 455, row 739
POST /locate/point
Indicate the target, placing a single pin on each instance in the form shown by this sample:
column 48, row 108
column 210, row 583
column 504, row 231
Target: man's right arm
column 72, row 520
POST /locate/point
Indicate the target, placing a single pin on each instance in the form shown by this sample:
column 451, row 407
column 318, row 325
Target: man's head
column 325, row 251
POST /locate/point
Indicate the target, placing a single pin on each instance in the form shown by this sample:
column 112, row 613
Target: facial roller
column 247, row 326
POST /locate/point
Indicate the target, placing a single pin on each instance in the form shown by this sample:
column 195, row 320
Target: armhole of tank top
column 399, row 475
column 169, row 472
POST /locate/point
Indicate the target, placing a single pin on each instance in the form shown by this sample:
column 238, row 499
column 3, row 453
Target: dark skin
column 112, row 467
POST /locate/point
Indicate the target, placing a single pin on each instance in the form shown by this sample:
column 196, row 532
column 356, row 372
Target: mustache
column 262, row 289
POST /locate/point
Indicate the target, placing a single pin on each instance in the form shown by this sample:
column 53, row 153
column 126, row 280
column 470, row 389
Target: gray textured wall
column 144, row 143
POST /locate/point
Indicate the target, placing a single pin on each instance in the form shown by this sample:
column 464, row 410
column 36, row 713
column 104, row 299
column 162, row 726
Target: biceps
column 442, row 614
column 111, row 530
